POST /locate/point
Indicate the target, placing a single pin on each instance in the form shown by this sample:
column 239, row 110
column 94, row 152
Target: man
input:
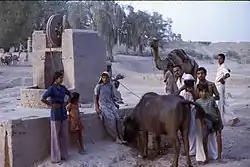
column 201, row 75
column 179, row 76
column 220, row 80
column 169, row 79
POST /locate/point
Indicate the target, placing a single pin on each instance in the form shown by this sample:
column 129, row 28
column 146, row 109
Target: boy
column 210, row 107
column 188, row 81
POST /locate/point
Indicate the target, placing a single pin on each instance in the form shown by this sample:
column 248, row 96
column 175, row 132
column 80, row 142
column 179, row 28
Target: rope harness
column 51, row 56
column 130, row 90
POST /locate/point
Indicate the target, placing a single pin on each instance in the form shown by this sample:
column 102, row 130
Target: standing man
column 220, row 80
column 169, row 79
column 201, row 74
column 179, row 76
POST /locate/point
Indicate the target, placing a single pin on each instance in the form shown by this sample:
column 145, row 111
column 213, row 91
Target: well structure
column 80, row 54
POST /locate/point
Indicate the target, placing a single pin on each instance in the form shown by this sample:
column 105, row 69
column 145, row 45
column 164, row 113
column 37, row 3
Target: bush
column 231, row 54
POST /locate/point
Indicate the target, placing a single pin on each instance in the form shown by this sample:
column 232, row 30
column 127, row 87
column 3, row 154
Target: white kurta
column 212, row 146
column 192, row 126
column 200, row 153
column 227, row 113
column 180, row 81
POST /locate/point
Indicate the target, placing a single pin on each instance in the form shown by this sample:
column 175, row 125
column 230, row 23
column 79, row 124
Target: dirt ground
column 236, row 140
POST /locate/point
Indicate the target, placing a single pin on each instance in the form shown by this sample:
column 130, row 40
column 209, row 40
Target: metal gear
column 54, row 29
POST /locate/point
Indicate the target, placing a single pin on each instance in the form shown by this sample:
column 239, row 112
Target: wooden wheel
column 54, row 30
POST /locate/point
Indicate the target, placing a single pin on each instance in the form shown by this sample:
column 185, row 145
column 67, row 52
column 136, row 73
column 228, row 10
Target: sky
column 203, row 21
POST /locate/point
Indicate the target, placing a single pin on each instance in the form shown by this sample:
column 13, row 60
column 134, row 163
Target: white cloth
column 188, row 77
column 200, row 153
column 221, row 72
column 226, row 112
column 212, row 146
column 192, row 133
column 180, row 81
column 192, row 130
column 186, row 95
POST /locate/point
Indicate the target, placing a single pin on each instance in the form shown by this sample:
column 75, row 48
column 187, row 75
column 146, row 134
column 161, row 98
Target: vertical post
column 29, row 45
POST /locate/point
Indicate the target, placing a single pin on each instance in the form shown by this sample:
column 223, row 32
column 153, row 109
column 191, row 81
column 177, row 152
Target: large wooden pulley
column 54, row 29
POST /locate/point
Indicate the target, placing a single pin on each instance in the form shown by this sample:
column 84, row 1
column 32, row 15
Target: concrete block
column 44, row 66
column 84, row 59
column 31, row 97
column 38, row 66
column 39, row 41
column 30, row 141
column 6, row 157
column 24, row 142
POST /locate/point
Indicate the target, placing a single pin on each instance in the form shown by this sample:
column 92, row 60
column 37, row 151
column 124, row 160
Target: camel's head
column 154, row 43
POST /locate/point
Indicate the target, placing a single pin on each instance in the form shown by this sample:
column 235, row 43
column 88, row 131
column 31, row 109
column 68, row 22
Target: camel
column 175, row 57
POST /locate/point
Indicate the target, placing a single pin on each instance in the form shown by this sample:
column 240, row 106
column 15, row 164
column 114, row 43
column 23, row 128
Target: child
column 75, row 123
column 187, row 94
column 210, row 107
column 195, row 133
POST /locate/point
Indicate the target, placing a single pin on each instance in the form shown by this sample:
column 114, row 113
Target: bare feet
column 202, row 163
column 119, row 141
column 221, row 161
column 56, row 162
column 81, row 152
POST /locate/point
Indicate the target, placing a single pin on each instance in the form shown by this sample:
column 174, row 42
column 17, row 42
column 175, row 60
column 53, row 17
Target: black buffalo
column 161, row 114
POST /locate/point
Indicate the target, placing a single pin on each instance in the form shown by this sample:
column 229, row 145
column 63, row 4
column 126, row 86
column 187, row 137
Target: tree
column 117, row 24
column 18, row 19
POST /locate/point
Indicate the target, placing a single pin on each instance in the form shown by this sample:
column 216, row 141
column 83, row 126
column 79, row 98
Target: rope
column 129, row 90
column 51, row 56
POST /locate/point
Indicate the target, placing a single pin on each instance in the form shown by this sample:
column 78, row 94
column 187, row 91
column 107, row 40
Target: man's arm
column 179, row 90
column 217, row 111
column 215, row 92
column 195, row 93
column 97, row 109
column 96, row 99
column 46, row 95
column 68, row 93
column 226, row 75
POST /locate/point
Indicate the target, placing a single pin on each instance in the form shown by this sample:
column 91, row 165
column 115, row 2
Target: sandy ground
column 141, row 77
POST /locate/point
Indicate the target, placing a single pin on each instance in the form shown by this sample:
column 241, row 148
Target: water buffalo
column 161, row 114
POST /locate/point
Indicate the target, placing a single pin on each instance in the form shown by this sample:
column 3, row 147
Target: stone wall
column 26, row 142
column 84, row 59
column 31, row 98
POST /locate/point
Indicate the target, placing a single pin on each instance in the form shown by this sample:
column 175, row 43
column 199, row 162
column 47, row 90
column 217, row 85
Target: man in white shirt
column 179, row 75
column 222, row 74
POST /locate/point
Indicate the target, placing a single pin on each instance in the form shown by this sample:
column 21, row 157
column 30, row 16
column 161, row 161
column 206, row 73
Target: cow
column 161, row 114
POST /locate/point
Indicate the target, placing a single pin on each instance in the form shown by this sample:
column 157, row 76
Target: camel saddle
column 184, row 57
